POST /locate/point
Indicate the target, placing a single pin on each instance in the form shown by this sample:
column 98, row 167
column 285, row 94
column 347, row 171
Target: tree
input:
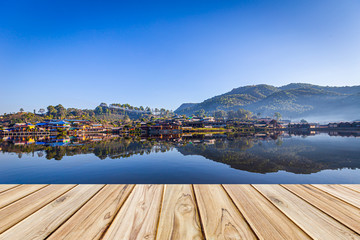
column 98, row 110
column 303, row 121
column 21, row 110
column 61, row 111
column 126, row 119
column 51, row 111
column 231, row 114
column 258, row 114
column 242, row 114
column 277, row 115
column 200, row 113
column 220, row 114
column 41, row 111
column 162, row 112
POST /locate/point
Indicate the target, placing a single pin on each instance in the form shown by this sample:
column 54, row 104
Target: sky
column 165, row 53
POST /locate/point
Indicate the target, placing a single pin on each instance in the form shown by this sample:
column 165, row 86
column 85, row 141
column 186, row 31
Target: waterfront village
column 170, row 126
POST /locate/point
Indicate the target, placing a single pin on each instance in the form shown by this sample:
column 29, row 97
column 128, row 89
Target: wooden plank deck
column 179, row 212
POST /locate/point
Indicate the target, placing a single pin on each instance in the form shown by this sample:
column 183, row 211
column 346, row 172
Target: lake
column 272, row 158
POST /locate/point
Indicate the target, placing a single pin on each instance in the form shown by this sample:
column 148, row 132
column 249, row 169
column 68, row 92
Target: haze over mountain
column 293, row 101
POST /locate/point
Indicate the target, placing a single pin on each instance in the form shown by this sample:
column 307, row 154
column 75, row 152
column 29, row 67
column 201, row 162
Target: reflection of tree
column 112, row 148
column 254, row 154
column 260, row 156
column 40, row 154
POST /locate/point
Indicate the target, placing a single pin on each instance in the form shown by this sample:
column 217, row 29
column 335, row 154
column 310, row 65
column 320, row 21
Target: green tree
column 126, row 119
column 277, row 116
column 61, row 111
column 242, row 114
column 21, row 110
column 51, row 111
column 41, row 111
column 200, row 113
column 98, row 110
column 220, row 114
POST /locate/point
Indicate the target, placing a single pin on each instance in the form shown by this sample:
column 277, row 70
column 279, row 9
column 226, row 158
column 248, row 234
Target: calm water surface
column 194, row 159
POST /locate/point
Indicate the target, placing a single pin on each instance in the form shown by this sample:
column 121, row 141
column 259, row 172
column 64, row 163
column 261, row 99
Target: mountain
column 295, row 100
column 185, row 106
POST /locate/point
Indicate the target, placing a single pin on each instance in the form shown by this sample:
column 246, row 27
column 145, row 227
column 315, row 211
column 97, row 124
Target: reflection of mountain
column 294, row 156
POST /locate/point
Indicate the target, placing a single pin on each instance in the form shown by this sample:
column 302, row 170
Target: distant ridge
column 294, row 100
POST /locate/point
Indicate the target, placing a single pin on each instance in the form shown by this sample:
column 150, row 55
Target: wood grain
column 17, row 211
column 179, row 212
column 343, row 193
column 265, row 219
column 40, row 224
column 313, row 221
column 179, row 218
column 338, row 209
column 138, row 217
column 17, row 193
column 91, row 221
column 220, row 218
column 5, row 187
column 355, row 187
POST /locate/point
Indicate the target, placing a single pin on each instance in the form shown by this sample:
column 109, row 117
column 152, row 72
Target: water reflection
column 295, row 152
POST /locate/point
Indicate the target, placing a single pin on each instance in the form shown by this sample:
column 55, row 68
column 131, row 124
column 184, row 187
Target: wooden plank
column 220, row 218
column 6, row 187
column 265, row 219
column 17, row 211
column 338, row 209
column 343, row 193
column 355, row 187
column 17, row 193
column 138, row 217
column 91, row 221
column 314, row 222
column 40, row 224
column 179, row 217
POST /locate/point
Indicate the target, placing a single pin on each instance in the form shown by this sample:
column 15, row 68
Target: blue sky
column 164, row 53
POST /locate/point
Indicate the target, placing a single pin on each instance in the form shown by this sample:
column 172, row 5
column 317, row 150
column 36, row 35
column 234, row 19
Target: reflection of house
column 96, row 128
column 160, row 129
column 303, row 126
column 345, row 125
column 194, row 124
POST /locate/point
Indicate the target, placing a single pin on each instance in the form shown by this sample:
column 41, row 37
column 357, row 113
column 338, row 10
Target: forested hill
column 295, row 100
